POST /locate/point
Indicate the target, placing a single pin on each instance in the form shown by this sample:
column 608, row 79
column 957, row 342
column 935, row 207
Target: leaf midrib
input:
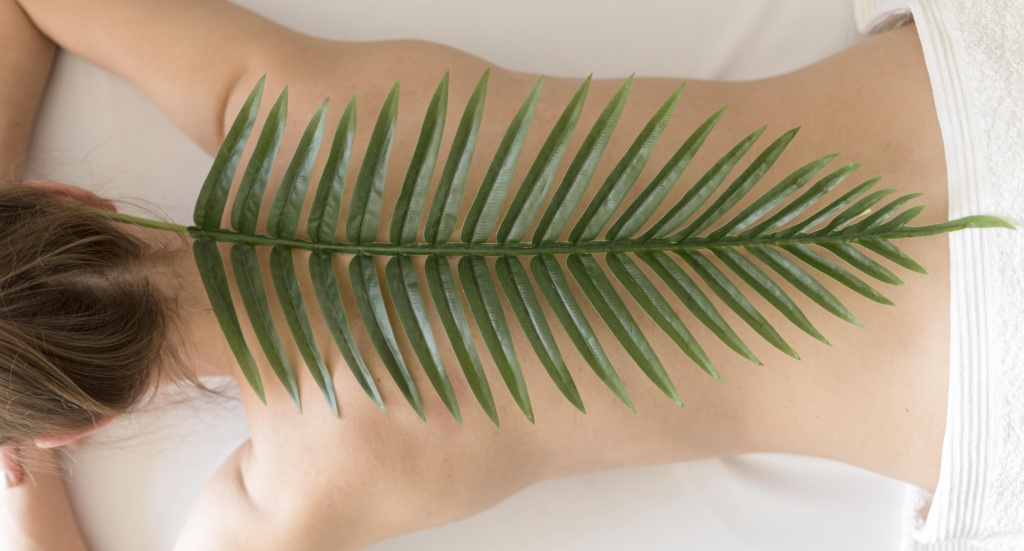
column 555, row 248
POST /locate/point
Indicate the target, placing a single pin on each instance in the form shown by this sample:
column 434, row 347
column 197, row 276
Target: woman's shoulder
column 224, row 516
column 227, row 515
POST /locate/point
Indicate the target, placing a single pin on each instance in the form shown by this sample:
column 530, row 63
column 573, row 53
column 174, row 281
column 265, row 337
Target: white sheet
column 135, row 481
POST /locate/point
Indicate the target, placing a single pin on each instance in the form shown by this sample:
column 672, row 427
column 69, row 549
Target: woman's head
column 83, row 330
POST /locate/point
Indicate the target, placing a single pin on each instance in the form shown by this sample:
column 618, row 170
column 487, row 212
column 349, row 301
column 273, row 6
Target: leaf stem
column 558, row 247
column 563, row 247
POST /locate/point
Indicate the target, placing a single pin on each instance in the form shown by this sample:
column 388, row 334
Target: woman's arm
column 24, row 69
column 36, row 513
column 185, row 55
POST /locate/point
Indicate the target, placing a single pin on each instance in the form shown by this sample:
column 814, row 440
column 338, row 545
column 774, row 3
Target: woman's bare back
column 875, row 398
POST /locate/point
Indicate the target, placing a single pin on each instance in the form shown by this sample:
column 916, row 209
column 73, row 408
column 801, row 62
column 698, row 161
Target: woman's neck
column 205, row 350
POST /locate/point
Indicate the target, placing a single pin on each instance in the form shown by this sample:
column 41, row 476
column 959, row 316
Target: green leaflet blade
column 643, row 291
column 370, row 300
column 891, row 252
column 282, row 272
column 405, row 223
column 878, row 217
column 621, row 179
column 797, row 206
column 820, row 216
column 898, row 221
column 325, row 285
column 976, row 222
column 525, row 205
column 483, row 302
column 581, row 170
column 702, row 190
column 254, row 296
column 860, row 261
column 283, row 220
column 322, row 222
column 739, row 188
column 412, row 313
column 368, row 194
column 641, row 209
column 802, row 281
column 857, row 209
column 613, row 311
column 214, row 194
column 245, row 211
column 833, row 270
column 767, row 202
column 446, row 294
column 555, row 287
column 696, row 301
column 483, row 213
column 516, row 283
column 444, row 210
column 215, row 281
column 767, row 288
column 734, row 299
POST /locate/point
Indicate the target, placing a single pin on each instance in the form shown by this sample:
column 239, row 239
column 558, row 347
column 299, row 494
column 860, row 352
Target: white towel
column 974, row 51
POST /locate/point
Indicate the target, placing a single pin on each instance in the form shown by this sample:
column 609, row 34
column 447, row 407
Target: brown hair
column 84, row 333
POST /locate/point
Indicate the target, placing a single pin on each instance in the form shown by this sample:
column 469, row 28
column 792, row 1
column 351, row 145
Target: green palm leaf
column 446, row 295
column 614, row 313
column 655, row 305
column 777, row 231
column 215, row 280
column 555, row 287
column 577, row 176
column 405, row 291
column 282, row 272
column 483, row 302
column 527, row 309
column 254, row 296
column 370, row 300
column 409, row 209
column 444, row 210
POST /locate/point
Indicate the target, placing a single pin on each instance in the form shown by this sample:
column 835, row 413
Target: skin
column 875, row 399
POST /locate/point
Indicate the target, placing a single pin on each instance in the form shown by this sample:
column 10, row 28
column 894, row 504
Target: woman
column 423, row 475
